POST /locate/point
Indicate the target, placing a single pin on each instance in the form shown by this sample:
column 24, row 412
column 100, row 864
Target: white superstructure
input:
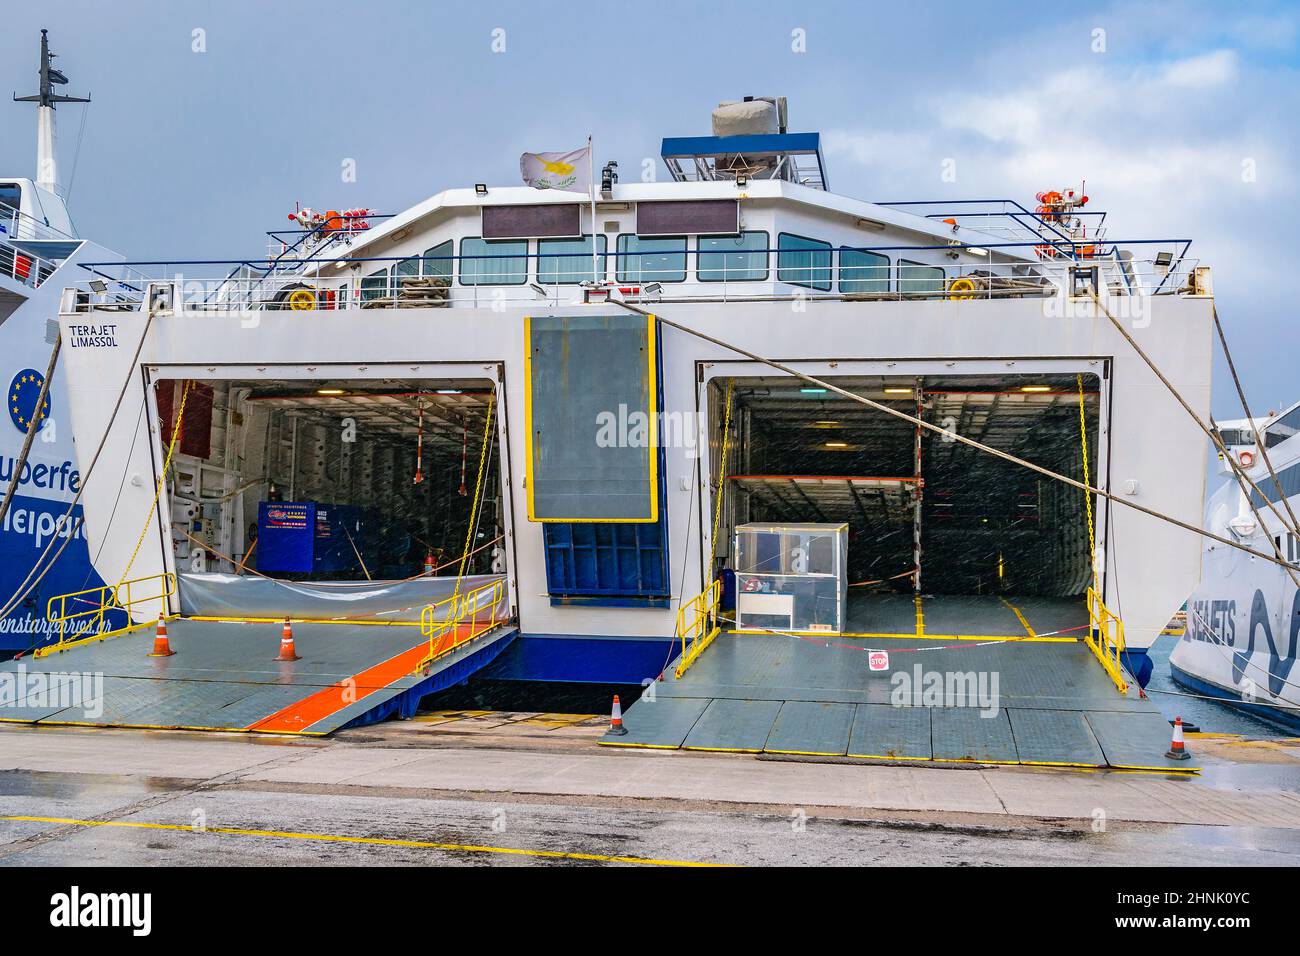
column 977, row 315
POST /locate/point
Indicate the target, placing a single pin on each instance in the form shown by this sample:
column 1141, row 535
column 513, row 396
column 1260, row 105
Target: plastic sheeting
column 243, row 596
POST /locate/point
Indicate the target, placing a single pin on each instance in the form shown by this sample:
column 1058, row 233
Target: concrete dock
column 479, row 788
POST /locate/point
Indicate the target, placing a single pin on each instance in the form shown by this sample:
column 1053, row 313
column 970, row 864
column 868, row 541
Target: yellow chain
column 162, row 477
column 473, row 513
column 722, row 473
column 1087, row 495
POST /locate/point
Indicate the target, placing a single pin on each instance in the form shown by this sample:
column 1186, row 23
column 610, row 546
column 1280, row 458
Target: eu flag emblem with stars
column 24, row 392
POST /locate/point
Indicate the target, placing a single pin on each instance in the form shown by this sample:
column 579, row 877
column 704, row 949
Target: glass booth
column 791, row 577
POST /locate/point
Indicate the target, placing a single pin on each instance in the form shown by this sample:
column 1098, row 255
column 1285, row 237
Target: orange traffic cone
column 161, row 648
column 616, row 719
column 287, row 652
column 1176, row 750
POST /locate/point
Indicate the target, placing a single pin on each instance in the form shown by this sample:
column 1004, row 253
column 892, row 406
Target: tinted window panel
column 915, row 278
column 651, row 260
column 502, row 262
column 863, row 271
column 803, row 261
column 568, row 261
column 740, row 258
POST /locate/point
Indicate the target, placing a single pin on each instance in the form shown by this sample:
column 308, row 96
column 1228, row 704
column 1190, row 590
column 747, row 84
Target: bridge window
column 1288, row 478
column 915, row 278
column 651, row 260
column 568, row 261
column 11, row 195
column 438, row 260
column 741, row 258
column 863, row 271
column 1282, row 429
column 504, row 262
column 1237, row 436
column 803, row 261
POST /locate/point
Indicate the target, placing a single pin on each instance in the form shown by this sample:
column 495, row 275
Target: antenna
column 46, row 172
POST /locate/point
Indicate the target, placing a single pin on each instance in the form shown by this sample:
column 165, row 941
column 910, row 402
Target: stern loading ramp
column 959, row 564
column 415, row 492
column 224, row 674
column 816, row 696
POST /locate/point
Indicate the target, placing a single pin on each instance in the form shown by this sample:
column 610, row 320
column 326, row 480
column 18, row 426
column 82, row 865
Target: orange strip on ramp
column 298, row 716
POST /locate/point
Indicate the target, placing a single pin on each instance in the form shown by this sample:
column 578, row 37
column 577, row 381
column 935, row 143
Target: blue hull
column 1289, row 720
column 583, row 660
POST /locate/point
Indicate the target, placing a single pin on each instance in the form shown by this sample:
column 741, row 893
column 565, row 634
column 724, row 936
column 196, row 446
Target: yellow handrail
column 697, row 625
column 98, row 603
column 442, row 622
column 1106, row 638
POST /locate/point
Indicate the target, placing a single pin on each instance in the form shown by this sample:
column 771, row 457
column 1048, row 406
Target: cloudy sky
column 210, row 119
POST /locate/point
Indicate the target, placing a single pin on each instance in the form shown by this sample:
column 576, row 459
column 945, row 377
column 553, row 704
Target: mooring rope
column 954, row 436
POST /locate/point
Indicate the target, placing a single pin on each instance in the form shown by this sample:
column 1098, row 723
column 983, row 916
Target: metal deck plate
column 880, row 613
column 1056, row 703
column 966, row 733
column 814, row 728
column 663, row 722
column 1136, row 741
column 742, row 725
column 224, row 676
column 1055, row 736
column 888, row 732
column 970, row 616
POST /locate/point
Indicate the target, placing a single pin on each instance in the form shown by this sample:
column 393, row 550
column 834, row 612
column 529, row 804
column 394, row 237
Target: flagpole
column 591, row 188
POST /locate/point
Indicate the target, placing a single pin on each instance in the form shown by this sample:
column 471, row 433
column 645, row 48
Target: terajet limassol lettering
column 92, row 336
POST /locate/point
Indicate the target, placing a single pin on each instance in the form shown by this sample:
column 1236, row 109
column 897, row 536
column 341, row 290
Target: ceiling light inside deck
column 330, row 391
column 1035, row 388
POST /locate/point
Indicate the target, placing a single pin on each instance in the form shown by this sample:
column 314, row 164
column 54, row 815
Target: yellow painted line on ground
column 1020, row 617
column 920, row 618
column 910, row 636
column 369, row 841
column 638, row 746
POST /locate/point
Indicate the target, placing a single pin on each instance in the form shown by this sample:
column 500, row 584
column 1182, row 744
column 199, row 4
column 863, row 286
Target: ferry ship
column 622, row 415
column 1243, row 621
column 39, row 248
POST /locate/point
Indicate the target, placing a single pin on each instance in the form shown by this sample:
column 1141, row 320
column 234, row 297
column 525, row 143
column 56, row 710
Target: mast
column 47, row 174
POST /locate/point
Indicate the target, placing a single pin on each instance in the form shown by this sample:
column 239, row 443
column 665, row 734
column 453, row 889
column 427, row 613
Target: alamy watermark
column 630, row 428
column 59, row 690
column 922, row 688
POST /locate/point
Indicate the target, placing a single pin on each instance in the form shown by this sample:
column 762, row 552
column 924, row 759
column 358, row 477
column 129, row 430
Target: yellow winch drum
column 963, row 287
column 302, row 300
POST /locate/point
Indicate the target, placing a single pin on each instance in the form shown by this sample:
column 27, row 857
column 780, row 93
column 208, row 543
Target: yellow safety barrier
column 1106, row 638
column 474, row 612
column 697, row 625
column 90, row 608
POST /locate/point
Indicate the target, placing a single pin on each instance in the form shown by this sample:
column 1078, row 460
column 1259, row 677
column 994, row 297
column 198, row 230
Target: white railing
column 23, row 267
column 19, row 225
column 763, row 276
